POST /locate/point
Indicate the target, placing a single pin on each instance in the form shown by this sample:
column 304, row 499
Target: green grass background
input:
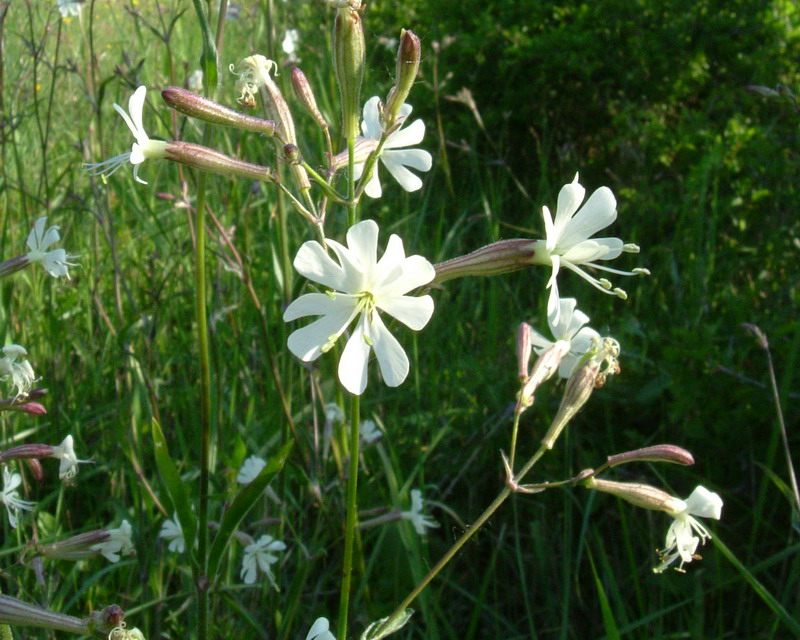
column 645, row 97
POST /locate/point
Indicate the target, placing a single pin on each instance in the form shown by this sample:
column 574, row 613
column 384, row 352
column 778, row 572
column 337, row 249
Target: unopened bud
column 579, row 387
column 292, row 154
column 656, row 453
column 15, row 612
column 35, row 468
column 349, row 54
column 524, row 349
column 197, row 106
column 26, row 451
column 34, row 408
column 642, row 495
column 408, row 56
column 543, row 369
column 493, row 259
column 304, row 93
column 206, row 159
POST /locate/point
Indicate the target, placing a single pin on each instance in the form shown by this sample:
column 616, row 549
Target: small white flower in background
column 10, row 497
column 69, row 8
column 142, row 149
column 257, row 556
column 21, row 373
column 569, row 327
column 118, row 543
column 122, row 633
column 250, row 469
column 568, row 241
column 369, row 432
column 421, row 522
column 171, row 530
column 394, row 156
column 360, row 286
column 290, row 40
column 195, row 81
column 333, row 413
column 65, row 452
column 681, row 539
column 320, row 630
column 55, row 261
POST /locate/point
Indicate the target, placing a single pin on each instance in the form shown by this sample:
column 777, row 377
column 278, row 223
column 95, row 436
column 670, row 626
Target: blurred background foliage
column 648, row 98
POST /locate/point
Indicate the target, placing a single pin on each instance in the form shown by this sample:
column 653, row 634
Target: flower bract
column 54, row 261
column 10, row 497
column 257, row 556
column 569, row 243
column 394, row 155
column 143, row 147
column 360, row 286
column 685, row 533
column 420, row 521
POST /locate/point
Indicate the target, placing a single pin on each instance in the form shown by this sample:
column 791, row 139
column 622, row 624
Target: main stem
column 352, row 517
column 471, row 530
column 205, row 406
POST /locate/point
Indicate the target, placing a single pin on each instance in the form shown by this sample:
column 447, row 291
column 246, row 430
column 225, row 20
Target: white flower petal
column 704, row 503
column 599, row 211
column 373, row 188
column 135, row 109
column 307, row 342
column 569, row 199
column 404, row 177
column 313, row 262
column 406, row 136
column 362, row 240
column 318, row 304
column 414, row 312
column 354, row 361
column 371, row 124
column 392, row 359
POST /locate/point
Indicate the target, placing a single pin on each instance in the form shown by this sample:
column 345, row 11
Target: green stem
column 352, row 205
column 471, row 530
column 352, row 517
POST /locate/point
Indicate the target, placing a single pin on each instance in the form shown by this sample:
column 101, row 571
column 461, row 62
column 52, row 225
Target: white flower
column 567, row 326
column 681, row 539
column 195, row 81
column 142, row 149
column 393, row 154
column 421, row 522
column 118, row 543
column 320, row 630
column 69, row 8
column 171, row 530
column 257, row 556
column 10, row 497
column 65, row 452
column 55, row 261
column 369, row 432
column 361, row 286
column 290, row 40
column 21, row 373
column 568, row 240
column 333, row 413
column 250, row 469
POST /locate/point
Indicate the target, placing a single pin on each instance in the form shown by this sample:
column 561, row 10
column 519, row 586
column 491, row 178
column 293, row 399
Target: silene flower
column 320, row 630
column 360, row 286
column 143, row 147
column 54, row 261
column 250, row 469
column 21, row 373
column 394, row 154
column 117, row 543
column 65, row 452
column 568, row 241
column 171, row 530
column 70, row 8
column 567, row 326
column 685, row 533
column 10, row 497
column 369, row 432
column 290, row 40
column 257, row 556
column 420, row 521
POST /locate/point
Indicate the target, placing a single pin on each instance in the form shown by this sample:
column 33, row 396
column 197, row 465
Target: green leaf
column 242, row 503
column 176, row 488
column 371, row 632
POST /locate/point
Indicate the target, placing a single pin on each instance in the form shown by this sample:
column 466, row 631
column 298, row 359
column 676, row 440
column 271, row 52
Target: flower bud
column 656, row 453
column 349, row 54
column 642, row 495
column 408, row 56
column 493, row 259
column 205, row 159
column 579, row 387
column 302, row 89
column 292, row 154
column 197, row 106
column 524, row 349
column 16, row 612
